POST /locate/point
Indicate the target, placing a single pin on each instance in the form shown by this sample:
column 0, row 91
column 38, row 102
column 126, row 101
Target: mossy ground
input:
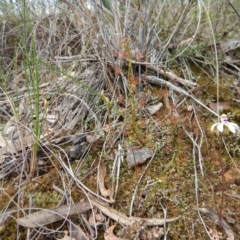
column 168, row 183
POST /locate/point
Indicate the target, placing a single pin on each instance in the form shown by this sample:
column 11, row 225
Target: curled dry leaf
column 154, row 108
column 101, row 175
column 109, row 235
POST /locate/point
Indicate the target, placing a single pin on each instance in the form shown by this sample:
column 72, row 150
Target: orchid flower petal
column 220, row 127
column 213, row 126
column 232, row 127
column 235, row 126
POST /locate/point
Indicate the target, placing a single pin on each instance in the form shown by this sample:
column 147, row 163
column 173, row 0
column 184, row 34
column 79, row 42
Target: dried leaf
column 101, row 175
column 44, row 217
column 109, row 235
column 154, row 108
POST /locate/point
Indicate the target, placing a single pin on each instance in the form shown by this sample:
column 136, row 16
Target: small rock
column 138, row 157
column 75, row 152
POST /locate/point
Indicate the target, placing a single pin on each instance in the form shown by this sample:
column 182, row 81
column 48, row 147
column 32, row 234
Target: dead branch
column 123, row 219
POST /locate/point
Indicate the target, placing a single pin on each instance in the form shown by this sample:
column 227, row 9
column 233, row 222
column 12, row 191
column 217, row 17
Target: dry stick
column 124, row 219
column 171, row 76
column 160, row 82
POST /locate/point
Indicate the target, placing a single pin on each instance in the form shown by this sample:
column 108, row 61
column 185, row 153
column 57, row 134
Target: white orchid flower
column 233, row 127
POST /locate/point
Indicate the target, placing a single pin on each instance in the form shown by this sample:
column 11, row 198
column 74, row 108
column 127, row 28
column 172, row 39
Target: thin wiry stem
column 223, row 178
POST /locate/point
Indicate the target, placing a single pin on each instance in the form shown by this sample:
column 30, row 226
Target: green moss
column 47, row 199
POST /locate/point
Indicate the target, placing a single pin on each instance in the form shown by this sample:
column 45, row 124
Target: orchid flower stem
column 223, row 179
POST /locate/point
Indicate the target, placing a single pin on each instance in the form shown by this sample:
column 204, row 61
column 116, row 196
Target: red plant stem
column 223, row 180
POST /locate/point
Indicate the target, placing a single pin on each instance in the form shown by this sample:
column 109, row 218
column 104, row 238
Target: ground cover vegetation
column 119, row 119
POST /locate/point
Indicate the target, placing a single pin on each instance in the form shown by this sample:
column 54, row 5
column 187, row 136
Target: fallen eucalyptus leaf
column 48, row 216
